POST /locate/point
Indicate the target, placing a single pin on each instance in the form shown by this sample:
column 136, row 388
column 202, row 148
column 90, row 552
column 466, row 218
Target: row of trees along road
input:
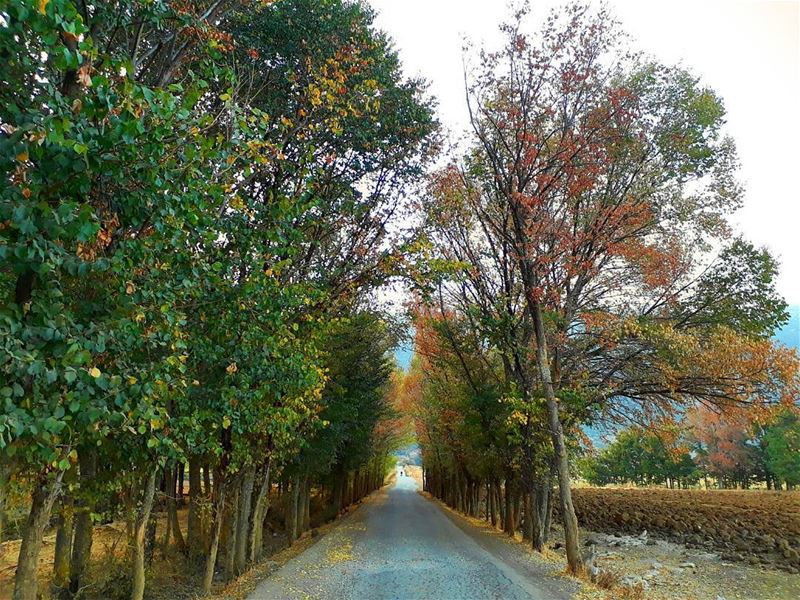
column 726, row 449
column 193, row 214
column 580, row 269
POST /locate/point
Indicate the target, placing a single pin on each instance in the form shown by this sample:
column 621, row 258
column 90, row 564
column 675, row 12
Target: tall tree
column 617, row 180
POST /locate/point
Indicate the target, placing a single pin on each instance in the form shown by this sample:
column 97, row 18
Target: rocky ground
column 668, row 570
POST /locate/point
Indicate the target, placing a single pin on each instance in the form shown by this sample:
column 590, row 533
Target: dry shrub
column 635, row 592
column 606, row 580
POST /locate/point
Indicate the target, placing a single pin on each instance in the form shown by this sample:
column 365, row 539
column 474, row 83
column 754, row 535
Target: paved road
column 399, row 545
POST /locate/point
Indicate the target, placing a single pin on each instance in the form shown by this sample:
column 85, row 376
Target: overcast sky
column 748, row 51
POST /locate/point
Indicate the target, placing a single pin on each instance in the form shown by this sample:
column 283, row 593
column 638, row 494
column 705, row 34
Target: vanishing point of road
column 399, row 545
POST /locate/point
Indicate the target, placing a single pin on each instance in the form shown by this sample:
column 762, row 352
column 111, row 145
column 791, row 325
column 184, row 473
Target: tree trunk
column 181, row 476
column 527, row 522
column 26, row 578
column 508, row 523
column 63, row 546
column 291, row 509
column 517, row 510
column 207, row 481
column 491, row 501
column 180, row 542
column 173, row 525
column 243, row 520
column 84, row 528
column 570, row 521
column 4, row 476
column 307, row 506
column 194, row 527
column 540, row 507
column 256, row 536
column 499, row 504
column 137, row 593
column 232, row 528
column 150, row 540
column 548, row 518
column 216, row 529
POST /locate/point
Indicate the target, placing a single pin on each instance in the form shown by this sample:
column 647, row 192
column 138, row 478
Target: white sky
column 748, row 51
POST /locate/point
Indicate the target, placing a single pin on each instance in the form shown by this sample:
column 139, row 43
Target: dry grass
column 169, row 577
column 415, row 473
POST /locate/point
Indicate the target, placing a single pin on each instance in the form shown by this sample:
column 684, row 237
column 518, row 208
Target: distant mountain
column 790, row 333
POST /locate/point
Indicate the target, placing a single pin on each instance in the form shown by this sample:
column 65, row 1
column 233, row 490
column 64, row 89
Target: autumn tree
column 738, row 447
column 617, row 181
column 475, row 286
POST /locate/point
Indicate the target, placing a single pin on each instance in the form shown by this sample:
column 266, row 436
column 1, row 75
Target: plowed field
column 753, row 526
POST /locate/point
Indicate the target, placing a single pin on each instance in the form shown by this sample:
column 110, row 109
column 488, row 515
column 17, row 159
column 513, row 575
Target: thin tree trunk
column 26, row 578
column 4, row 476
column 181, row 475
column 307, row 505
column 527, row 523
column 540, row 509
column 216, row 529
column 508, row 523
column 194, row 529
column 570, row 521
column 232, row 527
column 137, row 593
column 84, row 528
column 207, row 480
column 499, row 503
column 548, row 518
column 243, row 519
column 259, row 514
column 491, row 500
column 291, row 511
column 63, row 547
column 175, row 478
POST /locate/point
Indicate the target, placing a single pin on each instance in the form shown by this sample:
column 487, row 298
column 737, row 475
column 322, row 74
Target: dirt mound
column 751, row 526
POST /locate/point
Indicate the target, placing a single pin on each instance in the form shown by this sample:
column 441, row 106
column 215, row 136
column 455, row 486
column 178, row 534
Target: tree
column 615, row 177
column 190, row 205
column 83, row 153
column 782, row 439
column 639, row 456
column 725, row 450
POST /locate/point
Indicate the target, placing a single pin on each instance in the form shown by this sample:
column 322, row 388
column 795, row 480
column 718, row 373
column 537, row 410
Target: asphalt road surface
column 399, row 545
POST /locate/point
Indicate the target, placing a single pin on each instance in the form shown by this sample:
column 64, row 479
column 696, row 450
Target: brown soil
column 757, row 527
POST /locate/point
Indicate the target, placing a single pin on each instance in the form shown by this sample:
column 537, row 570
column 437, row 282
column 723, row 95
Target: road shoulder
column 246, row 585
column 549, row 576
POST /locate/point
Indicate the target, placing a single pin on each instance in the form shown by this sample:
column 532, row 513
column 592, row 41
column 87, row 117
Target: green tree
column 642, row 457
column 782, row 439
column 178, row 235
